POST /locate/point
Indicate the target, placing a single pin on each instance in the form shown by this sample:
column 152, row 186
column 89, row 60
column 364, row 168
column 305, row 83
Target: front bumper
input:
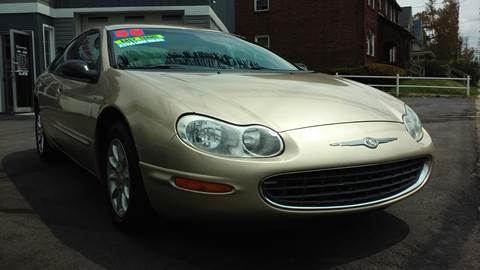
column 306, row 149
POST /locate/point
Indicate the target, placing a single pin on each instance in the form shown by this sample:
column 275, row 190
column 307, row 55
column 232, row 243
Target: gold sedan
column 198, row 123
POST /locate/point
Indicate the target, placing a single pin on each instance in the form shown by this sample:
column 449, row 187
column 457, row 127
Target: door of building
column 22, row 70
column 2, row 76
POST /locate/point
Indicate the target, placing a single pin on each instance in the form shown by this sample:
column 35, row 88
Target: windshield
column 167, row 48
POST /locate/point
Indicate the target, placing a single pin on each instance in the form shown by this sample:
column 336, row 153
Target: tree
column 429, row 18
column 441, row 25
column 448, row 43
column 468, row 53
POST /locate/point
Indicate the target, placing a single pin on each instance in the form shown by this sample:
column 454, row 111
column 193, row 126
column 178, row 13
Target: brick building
column 327, row 34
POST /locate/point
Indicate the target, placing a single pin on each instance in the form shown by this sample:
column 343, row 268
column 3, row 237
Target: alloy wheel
column 39, row 134
column 118, row 177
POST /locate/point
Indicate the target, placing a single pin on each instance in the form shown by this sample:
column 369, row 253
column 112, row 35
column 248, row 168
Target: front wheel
column 125, row 189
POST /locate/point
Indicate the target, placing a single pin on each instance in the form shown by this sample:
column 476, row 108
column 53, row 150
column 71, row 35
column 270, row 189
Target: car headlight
column 220, row 138
column 413, row 123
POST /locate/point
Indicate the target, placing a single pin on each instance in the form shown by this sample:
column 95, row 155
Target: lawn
column 405, row 90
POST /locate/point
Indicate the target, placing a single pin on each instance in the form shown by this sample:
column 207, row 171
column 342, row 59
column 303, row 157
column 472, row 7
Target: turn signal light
column 202, row 186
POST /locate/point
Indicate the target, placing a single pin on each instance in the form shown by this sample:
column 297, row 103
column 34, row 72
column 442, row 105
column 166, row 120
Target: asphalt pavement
column 55, row 216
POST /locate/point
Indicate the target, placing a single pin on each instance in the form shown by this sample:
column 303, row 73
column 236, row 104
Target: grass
column 405, row 90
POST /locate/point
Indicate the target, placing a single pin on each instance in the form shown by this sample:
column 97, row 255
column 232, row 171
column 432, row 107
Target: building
column 418, row 50
column 405, row 18
column 33, row 30
column 327, row 34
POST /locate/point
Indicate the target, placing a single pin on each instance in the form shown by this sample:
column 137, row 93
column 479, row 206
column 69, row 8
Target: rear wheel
column 44, row 150
column 126, row 192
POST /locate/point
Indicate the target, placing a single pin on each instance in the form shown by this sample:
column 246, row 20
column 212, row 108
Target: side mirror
column 78, row 69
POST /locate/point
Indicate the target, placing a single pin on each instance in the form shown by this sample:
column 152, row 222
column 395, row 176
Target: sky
column 469, row 17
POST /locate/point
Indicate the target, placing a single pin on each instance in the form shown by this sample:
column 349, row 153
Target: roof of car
column 124, row 26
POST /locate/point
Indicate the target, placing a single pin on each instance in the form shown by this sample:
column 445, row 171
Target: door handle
column 59, row 90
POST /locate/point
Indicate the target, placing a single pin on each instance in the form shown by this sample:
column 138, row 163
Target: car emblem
column 369, row 142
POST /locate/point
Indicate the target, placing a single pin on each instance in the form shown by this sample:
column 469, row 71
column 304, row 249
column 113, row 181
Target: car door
column 47, row 87
column 74, row 101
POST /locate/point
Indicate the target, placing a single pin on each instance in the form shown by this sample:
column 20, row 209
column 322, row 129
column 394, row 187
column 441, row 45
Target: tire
column 45, row 151
column 127, row 198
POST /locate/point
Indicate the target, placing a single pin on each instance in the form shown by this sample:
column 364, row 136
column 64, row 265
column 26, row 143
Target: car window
column 86, row 48
column 57, row 62
column 89, row 50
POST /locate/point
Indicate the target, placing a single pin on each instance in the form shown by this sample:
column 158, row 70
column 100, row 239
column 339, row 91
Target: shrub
column 385, row 70
column 435, row 68
column 468, row 67
column 372, row 70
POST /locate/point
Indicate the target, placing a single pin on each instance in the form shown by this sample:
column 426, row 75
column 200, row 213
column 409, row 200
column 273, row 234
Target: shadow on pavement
column 71, row 203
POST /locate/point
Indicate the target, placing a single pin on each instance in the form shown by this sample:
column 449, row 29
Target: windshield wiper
column 150, row 67
column 162, row 66
column 273, row 69
column 264, row 68
column 259, row 68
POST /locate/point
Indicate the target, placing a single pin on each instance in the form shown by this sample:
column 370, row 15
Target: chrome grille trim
column 400, row 192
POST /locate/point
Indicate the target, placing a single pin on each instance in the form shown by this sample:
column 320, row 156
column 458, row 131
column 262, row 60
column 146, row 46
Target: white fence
column 398, row 78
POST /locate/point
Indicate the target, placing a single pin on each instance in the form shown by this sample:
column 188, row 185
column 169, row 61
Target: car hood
column 282, row 101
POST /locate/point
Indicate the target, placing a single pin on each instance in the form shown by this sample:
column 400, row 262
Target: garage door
column 95, row 20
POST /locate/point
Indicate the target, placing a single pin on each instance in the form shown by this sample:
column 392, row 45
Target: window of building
column 97, row 19
column 263, row 40
column 261, row 5
column 392, row 54
column 48, row 44
column 371, row 3
column 386, row 8
column 172, row 17
column 135, row 18
column 370, row 43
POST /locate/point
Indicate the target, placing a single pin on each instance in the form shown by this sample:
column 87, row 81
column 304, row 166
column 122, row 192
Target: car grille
column 342, row 187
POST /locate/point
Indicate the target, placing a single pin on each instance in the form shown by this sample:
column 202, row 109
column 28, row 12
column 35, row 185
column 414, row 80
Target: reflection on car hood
column 282, row 101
